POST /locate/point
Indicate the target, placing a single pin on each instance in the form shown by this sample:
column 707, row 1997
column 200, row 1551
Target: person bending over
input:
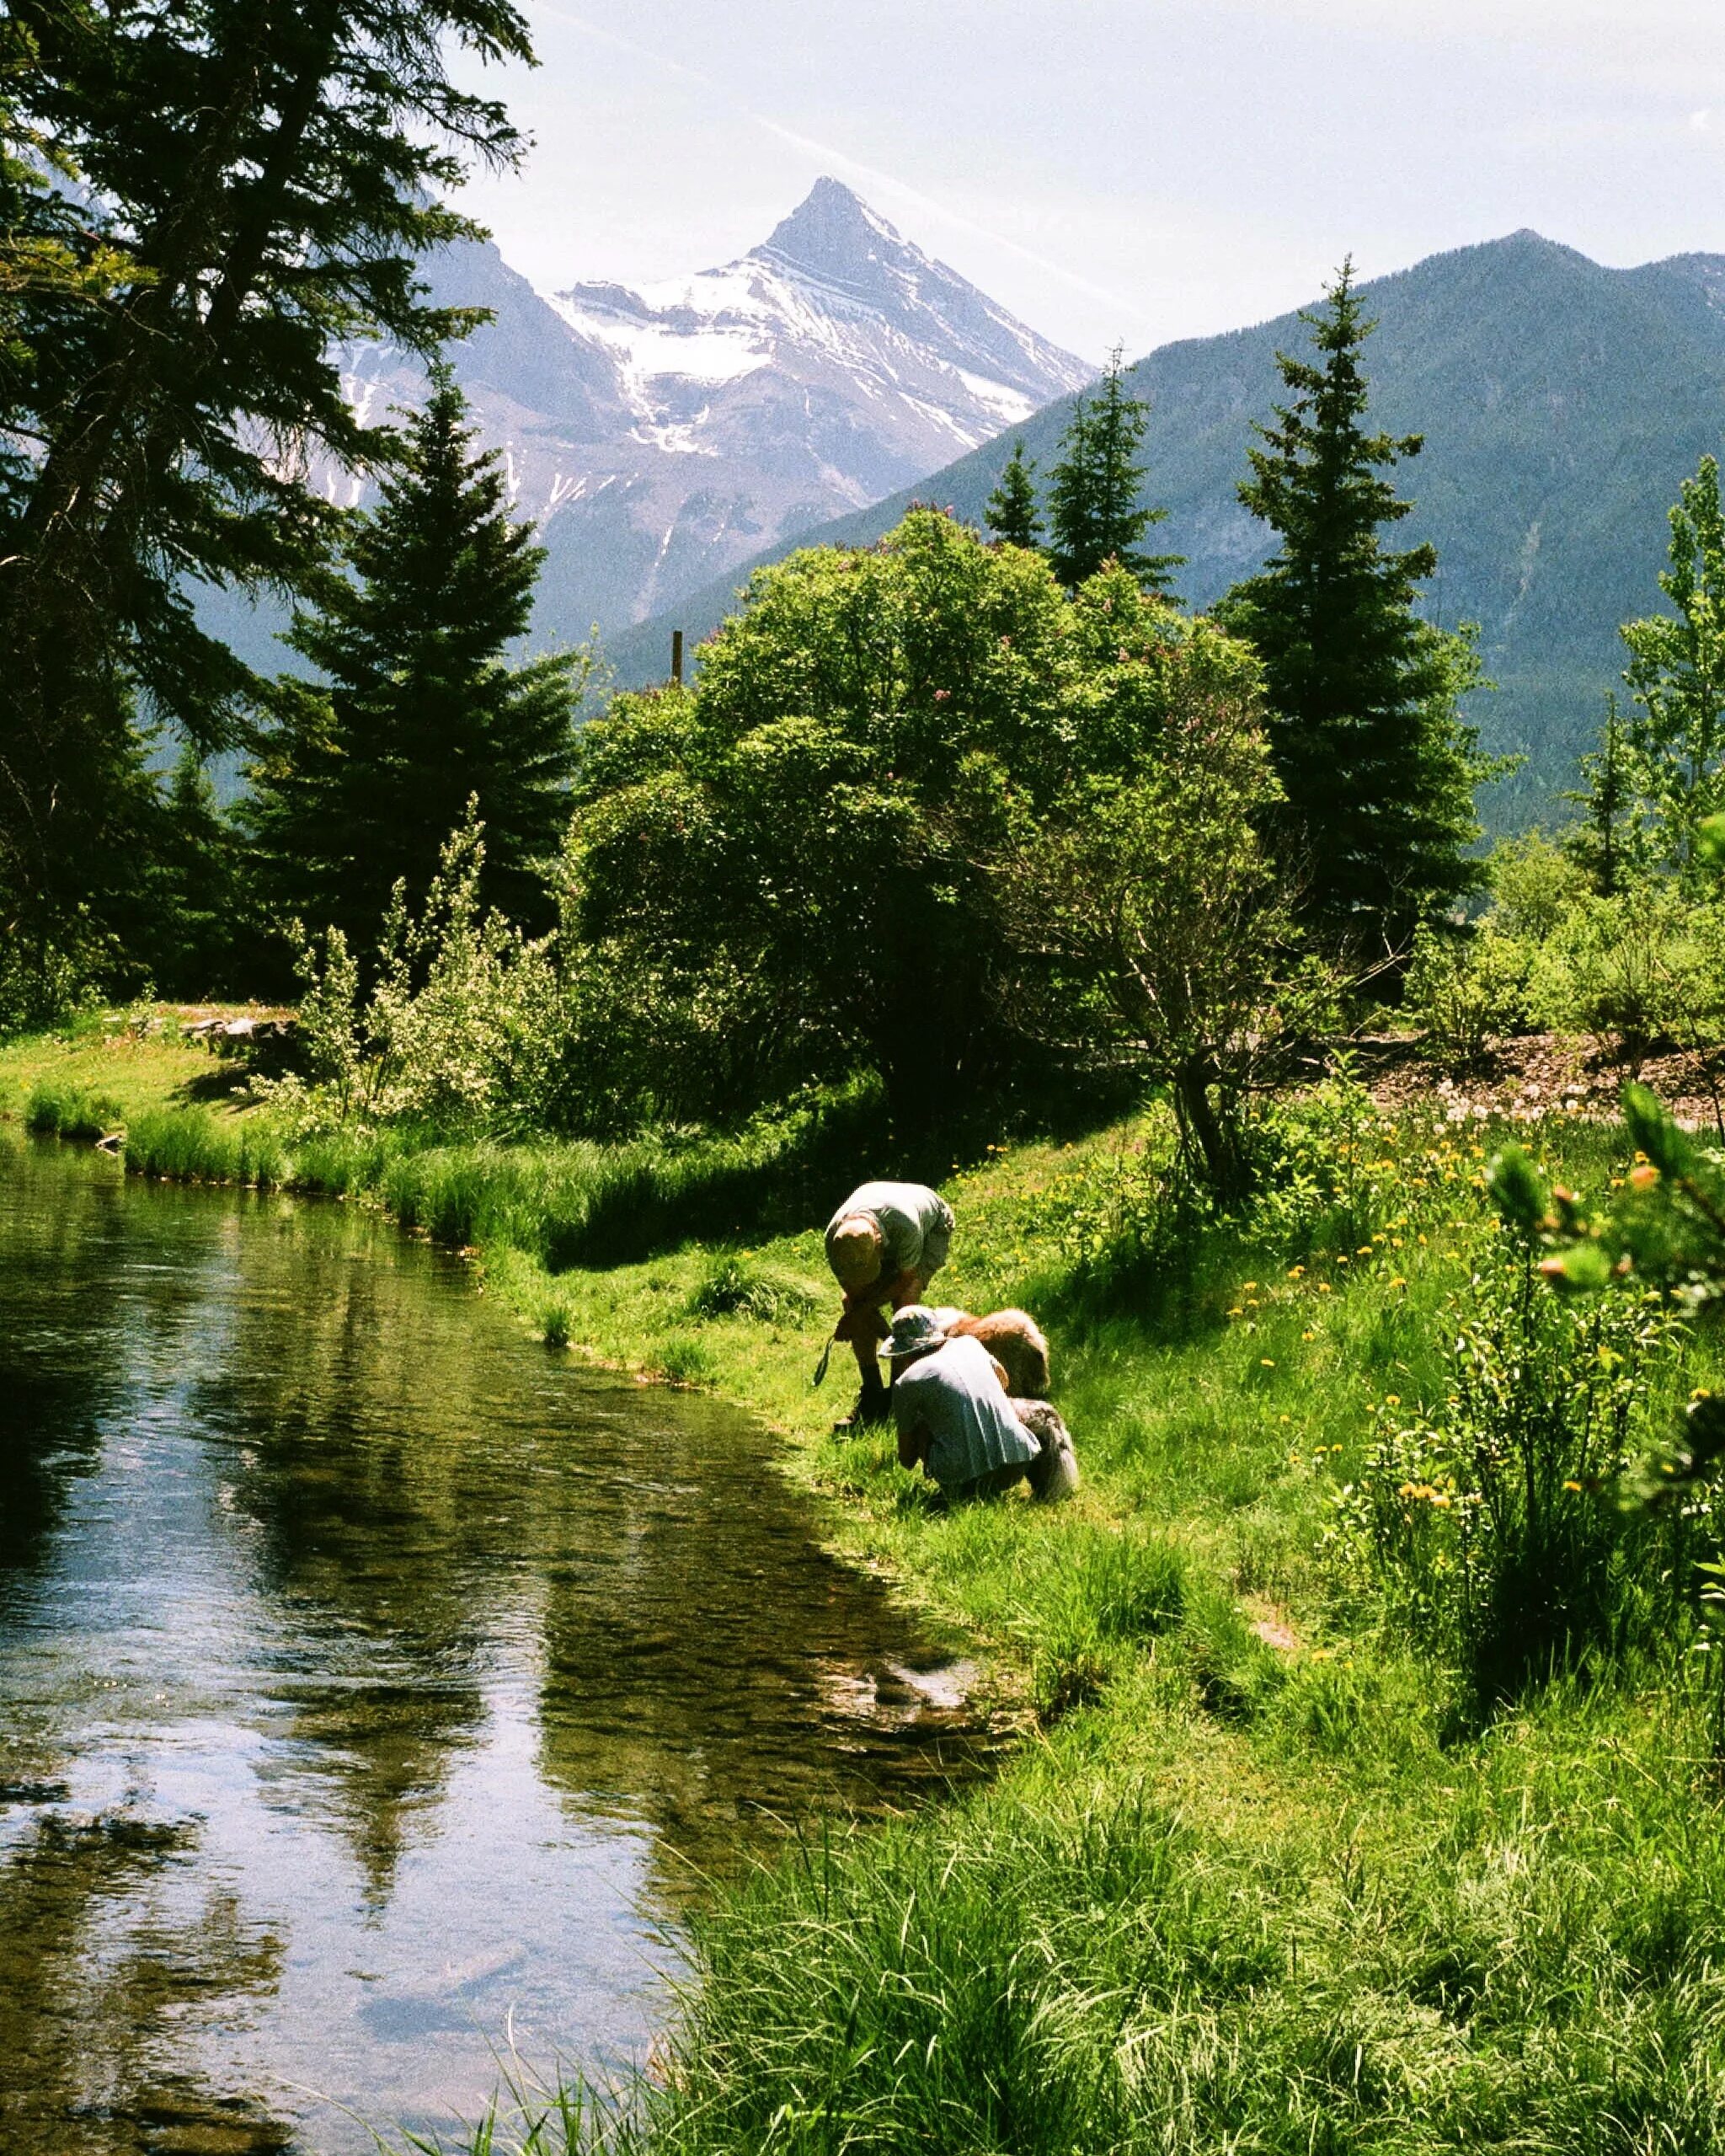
column 954, row 1418
column 884, row 1244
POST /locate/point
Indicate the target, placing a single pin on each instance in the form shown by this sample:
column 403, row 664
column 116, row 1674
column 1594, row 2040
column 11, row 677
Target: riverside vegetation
column 1369, row 1794
column 1368, row 1791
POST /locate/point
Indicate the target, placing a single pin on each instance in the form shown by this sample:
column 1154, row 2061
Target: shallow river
column 375, row 1688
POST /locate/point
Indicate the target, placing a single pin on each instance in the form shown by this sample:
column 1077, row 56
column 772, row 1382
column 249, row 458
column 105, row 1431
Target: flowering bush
column 1490, row 1522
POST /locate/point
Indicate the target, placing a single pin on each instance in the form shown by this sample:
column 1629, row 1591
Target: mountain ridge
column 1561, row 401
column 657, row 434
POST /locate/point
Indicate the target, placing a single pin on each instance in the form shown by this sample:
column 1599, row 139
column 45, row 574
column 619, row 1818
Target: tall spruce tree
column 1377, row 768
column 1009, row 511
column 1611, row 843
column 363, row 776
column 1096, row 507
column 256, row 180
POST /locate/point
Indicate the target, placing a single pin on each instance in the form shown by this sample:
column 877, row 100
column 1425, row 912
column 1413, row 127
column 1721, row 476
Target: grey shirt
column 916, row 1225
column 971, row 1426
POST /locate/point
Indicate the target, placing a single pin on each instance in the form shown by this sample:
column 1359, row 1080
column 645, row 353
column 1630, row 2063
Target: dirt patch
column 1530, row 1076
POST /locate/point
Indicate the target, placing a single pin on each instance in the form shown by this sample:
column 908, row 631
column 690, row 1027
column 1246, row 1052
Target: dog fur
column 1015, row 1340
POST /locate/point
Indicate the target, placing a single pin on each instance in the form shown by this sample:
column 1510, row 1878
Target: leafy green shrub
column 71, row 1112
column 1327, row 1169
column 734, row 1287
column 49, row 981
column 1489, row 1522
column 461, row 1028
column 1646, row 965
column 1533, row 883
column 1468, row 987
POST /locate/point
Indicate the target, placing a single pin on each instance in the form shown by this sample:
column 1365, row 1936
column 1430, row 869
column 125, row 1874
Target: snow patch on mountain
column 660, row 436
column 835, row 291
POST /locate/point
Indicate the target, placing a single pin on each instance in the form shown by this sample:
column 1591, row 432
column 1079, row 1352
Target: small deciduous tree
column 825, row 823
column 1150, row 912
column 1097, row 512
column 1676, row 676
column 1611, row 844
column 460, row 1024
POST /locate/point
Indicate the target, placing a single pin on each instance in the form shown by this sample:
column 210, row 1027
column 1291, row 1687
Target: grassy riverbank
column 1253, row 1882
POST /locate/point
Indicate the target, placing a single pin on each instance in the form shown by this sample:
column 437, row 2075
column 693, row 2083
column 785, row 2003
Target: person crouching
column 956, row 1421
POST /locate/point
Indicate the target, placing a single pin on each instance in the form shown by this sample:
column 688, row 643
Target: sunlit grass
column 1243, row 1886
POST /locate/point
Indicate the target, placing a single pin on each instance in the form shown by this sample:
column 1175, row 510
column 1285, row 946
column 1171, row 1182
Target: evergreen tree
column 256, row 181
column 1610, row 845
column 1009, row 511
column 1096, row 509
column 1377, row 769
column 363, row 778
column 1676, row 674
column 190, row 920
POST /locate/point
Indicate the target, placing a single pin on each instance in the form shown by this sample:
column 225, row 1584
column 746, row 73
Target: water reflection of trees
column 405, row 1506
column 58, row 1345
column 433, row 1500
column 94, row 1967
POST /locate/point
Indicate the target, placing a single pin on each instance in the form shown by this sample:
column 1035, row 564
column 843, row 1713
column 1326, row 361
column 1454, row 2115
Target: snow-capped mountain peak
column 659, row 435
column 838, row 303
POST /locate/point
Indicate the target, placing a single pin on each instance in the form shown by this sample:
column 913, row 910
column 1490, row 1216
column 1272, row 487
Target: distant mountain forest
column 1561, row 403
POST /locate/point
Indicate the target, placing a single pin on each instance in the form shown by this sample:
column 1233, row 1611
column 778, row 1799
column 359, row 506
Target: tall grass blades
column 74, row 1112
column 1492, row 1521
column 191, row 1145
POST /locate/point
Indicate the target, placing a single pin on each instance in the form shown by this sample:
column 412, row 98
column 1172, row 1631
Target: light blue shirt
column 972, row 1429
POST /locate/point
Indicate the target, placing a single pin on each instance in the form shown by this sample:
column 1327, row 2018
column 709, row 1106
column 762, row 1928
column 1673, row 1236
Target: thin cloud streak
column 870, row 175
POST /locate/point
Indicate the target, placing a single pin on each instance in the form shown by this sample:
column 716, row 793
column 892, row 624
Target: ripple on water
column 374, row 1691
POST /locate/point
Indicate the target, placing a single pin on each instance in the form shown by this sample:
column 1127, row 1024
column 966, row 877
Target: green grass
column 1247, row 1885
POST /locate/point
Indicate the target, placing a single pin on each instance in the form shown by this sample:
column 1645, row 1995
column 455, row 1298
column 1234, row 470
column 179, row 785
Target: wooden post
column 676, row 657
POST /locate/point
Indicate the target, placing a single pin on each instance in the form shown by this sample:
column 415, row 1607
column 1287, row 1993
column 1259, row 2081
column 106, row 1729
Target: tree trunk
column 1209, row 1129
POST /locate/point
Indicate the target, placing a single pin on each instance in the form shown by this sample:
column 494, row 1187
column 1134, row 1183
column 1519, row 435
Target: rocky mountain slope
column 1560, row 403
column 660, row 437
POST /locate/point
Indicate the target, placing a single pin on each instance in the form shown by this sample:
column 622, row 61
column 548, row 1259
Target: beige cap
column 853, row 1251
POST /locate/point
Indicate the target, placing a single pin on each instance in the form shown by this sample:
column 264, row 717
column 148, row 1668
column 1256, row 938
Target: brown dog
column 1015, row 1340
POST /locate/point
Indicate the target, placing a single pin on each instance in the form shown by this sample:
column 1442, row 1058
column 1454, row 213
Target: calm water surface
column 372, row 1684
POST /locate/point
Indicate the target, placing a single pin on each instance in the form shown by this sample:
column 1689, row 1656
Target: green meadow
column 1272, row 1865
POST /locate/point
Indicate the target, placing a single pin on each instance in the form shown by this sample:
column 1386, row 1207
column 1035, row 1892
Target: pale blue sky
column 1128, row 170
